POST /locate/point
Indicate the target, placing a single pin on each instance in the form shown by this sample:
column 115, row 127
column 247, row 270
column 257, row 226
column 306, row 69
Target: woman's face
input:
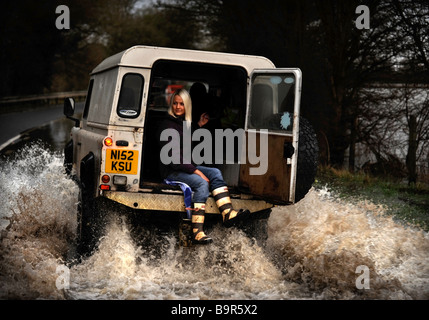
column 178, row 106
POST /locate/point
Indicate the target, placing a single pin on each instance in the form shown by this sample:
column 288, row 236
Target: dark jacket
column 171, row 122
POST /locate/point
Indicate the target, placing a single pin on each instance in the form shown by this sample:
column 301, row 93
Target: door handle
column 288, row 150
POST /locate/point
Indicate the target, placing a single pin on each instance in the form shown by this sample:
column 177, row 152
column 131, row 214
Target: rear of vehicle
column 114, row 151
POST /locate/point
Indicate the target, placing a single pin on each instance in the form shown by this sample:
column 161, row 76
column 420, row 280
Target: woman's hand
column 198, row 172
column 203, row 119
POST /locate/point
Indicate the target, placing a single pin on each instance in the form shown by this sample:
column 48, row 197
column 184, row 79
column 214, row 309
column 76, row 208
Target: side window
column 88, row 99
column 130, row 97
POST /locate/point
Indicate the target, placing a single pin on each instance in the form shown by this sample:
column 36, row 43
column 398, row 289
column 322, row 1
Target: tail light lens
column 108, row 142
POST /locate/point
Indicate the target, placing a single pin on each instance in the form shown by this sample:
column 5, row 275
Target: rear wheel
column 308, row 153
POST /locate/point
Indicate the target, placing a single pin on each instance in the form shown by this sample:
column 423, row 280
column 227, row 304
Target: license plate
column 122, row 161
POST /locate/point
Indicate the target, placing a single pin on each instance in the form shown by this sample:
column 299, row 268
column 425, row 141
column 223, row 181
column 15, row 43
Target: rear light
column 120, row 180
column 108, row 142
column 105, row 187
column 105, row 179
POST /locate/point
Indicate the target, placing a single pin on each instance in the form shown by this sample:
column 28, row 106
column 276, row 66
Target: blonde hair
column 187, row 101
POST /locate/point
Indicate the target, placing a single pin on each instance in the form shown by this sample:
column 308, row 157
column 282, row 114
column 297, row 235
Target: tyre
column 308, row 154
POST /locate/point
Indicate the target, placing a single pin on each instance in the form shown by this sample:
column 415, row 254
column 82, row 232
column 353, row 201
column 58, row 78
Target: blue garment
column 199, row 186
column 187, row 194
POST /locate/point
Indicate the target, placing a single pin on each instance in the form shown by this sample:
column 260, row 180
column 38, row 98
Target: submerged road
column 14, row 123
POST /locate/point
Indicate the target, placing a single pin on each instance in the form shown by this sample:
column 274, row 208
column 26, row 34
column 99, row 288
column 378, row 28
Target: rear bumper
column 172, row 200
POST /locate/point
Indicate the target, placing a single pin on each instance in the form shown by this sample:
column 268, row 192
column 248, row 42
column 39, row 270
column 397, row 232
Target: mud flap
column 185, row 227
column 185, row 233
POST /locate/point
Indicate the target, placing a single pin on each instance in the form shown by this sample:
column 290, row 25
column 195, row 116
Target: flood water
column 320, row 248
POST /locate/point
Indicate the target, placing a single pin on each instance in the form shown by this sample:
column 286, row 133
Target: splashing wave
column 313, row 249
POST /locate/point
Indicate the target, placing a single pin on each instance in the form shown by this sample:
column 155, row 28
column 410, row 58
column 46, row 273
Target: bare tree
column 415, row 108
column 379, row 127
column 354, row 59
column 394, row 126
column 413, row 26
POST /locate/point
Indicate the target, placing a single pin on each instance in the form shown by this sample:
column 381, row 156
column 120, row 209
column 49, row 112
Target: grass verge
column 408, row 205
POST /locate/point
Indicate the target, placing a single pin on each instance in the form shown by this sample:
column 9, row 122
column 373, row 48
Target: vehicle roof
column 145, row 57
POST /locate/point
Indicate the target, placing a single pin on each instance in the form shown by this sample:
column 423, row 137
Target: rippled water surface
column 313, row 249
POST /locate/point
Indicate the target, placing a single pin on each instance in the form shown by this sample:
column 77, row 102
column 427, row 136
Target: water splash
column 38, row 220
column 312, row 252
column 324, row 240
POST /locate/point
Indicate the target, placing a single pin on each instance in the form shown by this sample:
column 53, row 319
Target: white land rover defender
column 114, row 154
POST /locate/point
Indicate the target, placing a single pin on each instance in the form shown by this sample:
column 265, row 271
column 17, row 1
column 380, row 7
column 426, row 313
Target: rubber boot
column 198, row 216
column 223, row 201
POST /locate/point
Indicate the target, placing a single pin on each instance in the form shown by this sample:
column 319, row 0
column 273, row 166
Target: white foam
column 312, row 252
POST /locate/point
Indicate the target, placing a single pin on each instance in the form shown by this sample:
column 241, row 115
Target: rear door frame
column 295, row 131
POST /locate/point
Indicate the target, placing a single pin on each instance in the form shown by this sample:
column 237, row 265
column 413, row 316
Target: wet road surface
column 15, row 123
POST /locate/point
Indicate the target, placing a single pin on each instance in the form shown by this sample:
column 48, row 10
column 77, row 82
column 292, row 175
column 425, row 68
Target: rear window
column 272, row 102
column 130, row 97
